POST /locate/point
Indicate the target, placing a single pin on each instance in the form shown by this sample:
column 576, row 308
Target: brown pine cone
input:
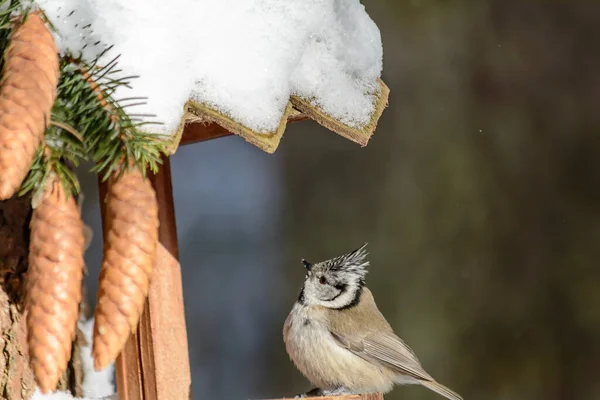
column 28, row 90
column 129, row 253
column 53, row 284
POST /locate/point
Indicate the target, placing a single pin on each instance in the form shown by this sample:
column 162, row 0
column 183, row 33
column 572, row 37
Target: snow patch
column 97, row 385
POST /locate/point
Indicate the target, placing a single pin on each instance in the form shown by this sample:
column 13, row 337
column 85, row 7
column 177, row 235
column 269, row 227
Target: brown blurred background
column 479, row 195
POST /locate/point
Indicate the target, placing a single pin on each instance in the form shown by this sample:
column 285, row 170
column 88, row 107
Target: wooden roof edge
column 360, row 135
column 365, row 396
column 201, row 122
column 198, row 112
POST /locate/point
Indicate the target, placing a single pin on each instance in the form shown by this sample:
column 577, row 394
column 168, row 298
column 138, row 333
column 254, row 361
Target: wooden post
column 154, row 364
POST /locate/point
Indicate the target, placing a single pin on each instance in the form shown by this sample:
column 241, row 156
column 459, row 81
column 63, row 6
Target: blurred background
column 479, row 196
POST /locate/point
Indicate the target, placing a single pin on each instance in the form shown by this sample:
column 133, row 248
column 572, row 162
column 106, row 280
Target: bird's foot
column 338, row 392
column 326, row 392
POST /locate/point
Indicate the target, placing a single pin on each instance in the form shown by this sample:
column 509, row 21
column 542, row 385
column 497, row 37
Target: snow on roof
column 236, row 62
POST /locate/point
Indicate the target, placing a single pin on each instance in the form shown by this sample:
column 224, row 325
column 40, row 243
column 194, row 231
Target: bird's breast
column 319, row 357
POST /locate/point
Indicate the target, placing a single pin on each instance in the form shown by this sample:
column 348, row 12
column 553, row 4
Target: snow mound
column 97, row 385
column 243, row 58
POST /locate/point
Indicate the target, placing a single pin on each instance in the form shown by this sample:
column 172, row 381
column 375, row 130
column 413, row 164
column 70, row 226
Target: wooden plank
column 366, row 396
column 154, row 364
column 145, row 352
column 129, row 371
column 127, row 366
column 164, row 345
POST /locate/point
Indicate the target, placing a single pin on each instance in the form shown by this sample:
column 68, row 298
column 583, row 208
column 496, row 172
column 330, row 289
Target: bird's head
column 336, row 283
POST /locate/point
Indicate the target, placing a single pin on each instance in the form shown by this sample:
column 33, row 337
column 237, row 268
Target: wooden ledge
column 366, row 396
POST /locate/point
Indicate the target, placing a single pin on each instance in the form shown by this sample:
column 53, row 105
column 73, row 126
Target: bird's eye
column 322, row 280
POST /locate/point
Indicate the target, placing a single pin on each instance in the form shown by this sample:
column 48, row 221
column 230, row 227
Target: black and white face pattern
column 335, row 283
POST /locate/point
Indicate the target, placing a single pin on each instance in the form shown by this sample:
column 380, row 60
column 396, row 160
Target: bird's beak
column 307, row 265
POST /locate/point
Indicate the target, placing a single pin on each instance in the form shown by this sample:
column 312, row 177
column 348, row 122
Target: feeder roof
column 298, row 109
column 243, row 64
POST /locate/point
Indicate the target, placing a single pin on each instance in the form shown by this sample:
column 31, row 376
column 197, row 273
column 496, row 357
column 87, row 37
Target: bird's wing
column 387, row 349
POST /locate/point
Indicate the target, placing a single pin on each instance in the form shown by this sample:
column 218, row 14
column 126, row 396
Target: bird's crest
column 353, row 262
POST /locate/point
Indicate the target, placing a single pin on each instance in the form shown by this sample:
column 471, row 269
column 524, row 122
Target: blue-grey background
column 479, row 195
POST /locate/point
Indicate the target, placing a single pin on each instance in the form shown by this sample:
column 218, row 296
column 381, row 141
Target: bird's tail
column 441, row 389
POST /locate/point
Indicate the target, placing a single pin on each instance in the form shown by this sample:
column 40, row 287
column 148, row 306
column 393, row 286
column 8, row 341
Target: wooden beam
column 195, row 132
column 165, row 343
column 199, row 132
column 366, row 396
column 154, row 364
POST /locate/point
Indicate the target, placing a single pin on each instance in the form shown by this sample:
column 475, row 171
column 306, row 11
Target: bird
column 338, row 339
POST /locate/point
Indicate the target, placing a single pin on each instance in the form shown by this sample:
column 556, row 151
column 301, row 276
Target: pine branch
column 6, row 24
column 59, row 154
column 88, row 122
column 111, row 135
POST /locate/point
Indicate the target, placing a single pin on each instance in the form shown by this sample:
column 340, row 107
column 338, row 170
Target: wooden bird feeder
column 154, row 363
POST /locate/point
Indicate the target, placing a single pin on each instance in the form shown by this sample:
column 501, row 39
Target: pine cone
column 53, row 284
column 27, row 93
column 129, row 253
